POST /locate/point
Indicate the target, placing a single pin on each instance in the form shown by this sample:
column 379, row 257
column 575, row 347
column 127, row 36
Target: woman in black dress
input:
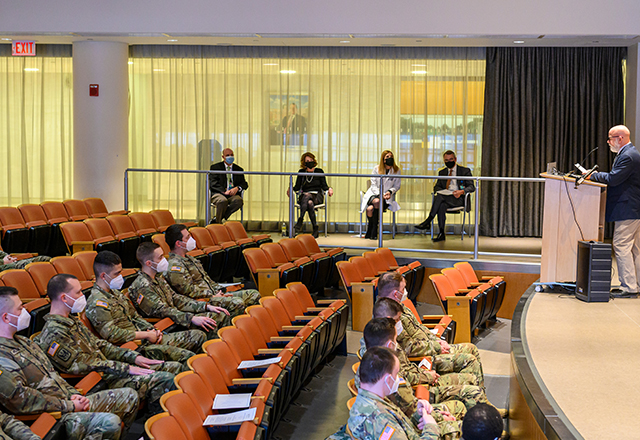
column 311, row 191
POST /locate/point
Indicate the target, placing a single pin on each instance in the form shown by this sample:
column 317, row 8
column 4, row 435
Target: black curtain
column 546, row 104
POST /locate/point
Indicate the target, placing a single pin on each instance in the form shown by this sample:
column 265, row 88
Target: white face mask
column 399, row 328
column 392, row 345
column 24, row 319
column 191, row 244
column 393, row 388
column 162, row 266
column 405, row 295
column 78, row 304
column 116, row 283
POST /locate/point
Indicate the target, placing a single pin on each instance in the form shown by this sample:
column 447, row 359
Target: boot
column 315, row 231
column 372, row 227
column 297, row 227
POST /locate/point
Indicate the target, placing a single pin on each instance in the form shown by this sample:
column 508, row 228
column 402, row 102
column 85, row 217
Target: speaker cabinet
column 593, row 275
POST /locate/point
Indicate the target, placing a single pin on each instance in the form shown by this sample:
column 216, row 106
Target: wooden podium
column 560, row 234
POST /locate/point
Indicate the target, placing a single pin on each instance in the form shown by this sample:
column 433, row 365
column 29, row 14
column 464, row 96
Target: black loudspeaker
column 593, row 275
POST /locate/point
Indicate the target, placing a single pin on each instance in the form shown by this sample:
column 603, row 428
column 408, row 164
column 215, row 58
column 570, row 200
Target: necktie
column 229, row 179
column 449, row 180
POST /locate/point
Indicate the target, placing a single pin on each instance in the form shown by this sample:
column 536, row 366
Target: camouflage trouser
column 107, row 408
column 221, row 319
column 470, row 395
column 450, row 430
column 240, row 300
column 453, row 407
column 468, row 348
column 459, row 363
column 457, row 379
column 21, row 264
column 13, row 429
column 178, row 346
column 149, row 386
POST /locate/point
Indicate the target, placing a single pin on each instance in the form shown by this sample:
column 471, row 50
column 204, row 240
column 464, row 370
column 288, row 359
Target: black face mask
column 450, row 163
column 311, row 164
column 389, row 161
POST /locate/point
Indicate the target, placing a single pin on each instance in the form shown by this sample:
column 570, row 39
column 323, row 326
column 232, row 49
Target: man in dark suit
column 455, row 189
column 623, row 208
column 226, row 189
column 294, row 126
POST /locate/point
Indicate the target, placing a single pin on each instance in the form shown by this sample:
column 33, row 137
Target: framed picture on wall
column 288, row 119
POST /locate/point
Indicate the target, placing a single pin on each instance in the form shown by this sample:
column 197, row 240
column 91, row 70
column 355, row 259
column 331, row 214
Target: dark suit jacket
column 466, row 185
column 298, row 125
column 623, row 185
column 218, row 182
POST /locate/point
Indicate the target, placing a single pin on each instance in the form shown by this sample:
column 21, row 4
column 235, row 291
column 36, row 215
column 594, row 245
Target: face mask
column 450, row 164
column 393, row 346
column 389, row 161
column 229, row 159
column 191, row 244
column 116, row 283
column 393, row 388
column 399, row 328
column 24, row 319
column 405, row 295
column 311, row 164
column 162, row 266
column 78, row 304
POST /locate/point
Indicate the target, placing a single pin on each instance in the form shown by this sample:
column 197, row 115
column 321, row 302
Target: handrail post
column 126, row 189
column 475, row 230
column 207, row 214
column 380, row 209
column 291, row 197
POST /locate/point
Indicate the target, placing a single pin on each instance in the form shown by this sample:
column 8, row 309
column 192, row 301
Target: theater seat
column 163, row 426
column 217, row 264
column 163, row 219
column 496, row 281
column 15, row 234
column 289, row 272
column 39, row 229
column 21, row 280
column 232, row 251
column 487, row 291
column 360, row 292
column 70, row 265
column 237, row 232
column 76, row 210
column 266, row 277
column 41, row 272
column 97, row 209
column 221, row 235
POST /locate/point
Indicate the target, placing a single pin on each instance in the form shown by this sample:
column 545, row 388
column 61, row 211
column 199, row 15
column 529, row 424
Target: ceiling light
column 270, row 64
column 158, row 70
column 31, row 69
column 172, row 40
column 345, row 41
column 6, row 39
column 288, row 71
column 419, row 72
column 519, row 42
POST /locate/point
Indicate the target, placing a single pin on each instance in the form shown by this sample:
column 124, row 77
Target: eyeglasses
column 613, row 137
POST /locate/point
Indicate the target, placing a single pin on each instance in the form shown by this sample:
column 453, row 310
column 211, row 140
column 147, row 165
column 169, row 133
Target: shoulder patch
column 53, row 348
column 387, row 432
column 101, row 303
column 176, row 268
column 64, row 355
column 139, row 298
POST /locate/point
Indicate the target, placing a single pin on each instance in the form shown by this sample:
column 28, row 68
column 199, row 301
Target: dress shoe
column 440, row 237
column 618, row 293
column 424, row 226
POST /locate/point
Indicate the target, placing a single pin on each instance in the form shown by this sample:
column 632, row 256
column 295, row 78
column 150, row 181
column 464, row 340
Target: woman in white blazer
column 390, row 186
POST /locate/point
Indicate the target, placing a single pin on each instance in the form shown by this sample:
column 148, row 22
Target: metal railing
column 381, row 177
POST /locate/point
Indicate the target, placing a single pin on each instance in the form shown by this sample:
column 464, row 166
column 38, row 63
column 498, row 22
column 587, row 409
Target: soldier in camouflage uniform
column 116, row 320
column 187, row 276
column 417, row 340
column 153, row 296
column 12, row 429
column 9, row 262
column 374, row 417
column 30, row 385
column 74, row 349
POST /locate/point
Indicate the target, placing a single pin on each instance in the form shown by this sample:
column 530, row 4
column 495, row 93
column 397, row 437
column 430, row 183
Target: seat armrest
column 325, row 301
column 164, row 324
column 293, row 327
column 250, row 380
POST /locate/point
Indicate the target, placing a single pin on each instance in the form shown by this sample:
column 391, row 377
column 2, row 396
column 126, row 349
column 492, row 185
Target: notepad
column 228, row 401
column 228, row 284
column 233, row 418
column 424, row 363
column 256, row 364
column 445, row 192
column 434, row 331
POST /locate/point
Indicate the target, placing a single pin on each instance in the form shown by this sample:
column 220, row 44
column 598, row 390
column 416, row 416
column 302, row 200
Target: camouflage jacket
column 113, row 316
column 13, row 429
column 187, row 277
column 74, row 349
column 416, row 339
column 373, row 417
column 155, row 298
column 28, row 382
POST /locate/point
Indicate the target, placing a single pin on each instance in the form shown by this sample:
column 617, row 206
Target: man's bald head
column 227, row 152
column 619, row 136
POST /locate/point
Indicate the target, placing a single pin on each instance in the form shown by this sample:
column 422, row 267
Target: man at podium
column 623, row 208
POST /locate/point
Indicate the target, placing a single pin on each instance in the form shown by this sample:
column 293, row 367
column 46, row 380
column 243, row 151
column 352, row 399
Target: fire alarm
column 93, row 90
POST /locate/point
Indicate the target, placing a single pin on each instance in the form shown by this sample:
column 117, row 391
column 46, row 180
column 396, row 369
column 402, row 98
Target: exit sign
column 23, row 48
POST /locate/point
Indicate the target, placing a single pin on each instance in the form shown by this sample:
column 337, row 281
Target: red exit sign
column 24, row 48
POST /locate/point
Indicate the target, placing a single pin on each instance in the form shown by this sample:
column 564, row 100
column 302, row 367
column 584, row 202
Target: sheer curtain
column 355, row 103
column 36, row 128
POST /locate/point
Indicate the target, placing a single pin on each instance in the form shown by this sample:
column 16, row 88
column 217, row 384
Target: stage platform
column 574, row 367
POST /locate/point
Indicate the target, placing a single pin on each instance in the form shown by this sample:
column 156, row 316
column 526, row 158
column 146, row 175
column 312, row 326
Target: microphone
column 579, row 165
column 586, row 174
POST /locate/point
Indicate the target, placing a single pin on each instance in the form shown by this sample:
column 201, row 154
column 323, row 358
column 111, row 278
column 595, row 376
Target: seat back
column 182, row 408
column 264, row 320
column 32, row 214
column 121, row 225
column 224, row 359
column 309, row 242
column 442, row 286
column 467, row 272
column 41, row 272
column 206, row 368
column 290, row 303
column 162, row 219
column 202, row 237
column 302, row 293
column 363, row 266
column 455, row 278
column 11, row 217
column 74, row 232
column 96, row 207
column 143, row 223
column 275, row 253
column 219, row 233
column 76, row 209
column 293, row 248
column 193, row 386
column 236, row 341
column 163, row 426
column 388, row 256
column 236, row 230
column 70, row 266
column 256, row 259
column 376, row 261
column 55, row 212
column 276, row 310
column 349, row 273
column 160, row 241
column 85, row 260
column 409, row 304
column 251, row 331
column 21, row 280
column 100, row 229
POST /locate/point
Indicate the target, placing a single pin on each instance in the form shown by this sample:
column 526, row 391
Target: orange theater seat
column 163, row 219
column 21, row 280
column 15, row 234
column 41, row 272
column 143, row 223
column 40, row 231
column 216, row 255
column 237, row 232
column 97, row 209
column 76, row 210
column 235, row 264
column 70, row 265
